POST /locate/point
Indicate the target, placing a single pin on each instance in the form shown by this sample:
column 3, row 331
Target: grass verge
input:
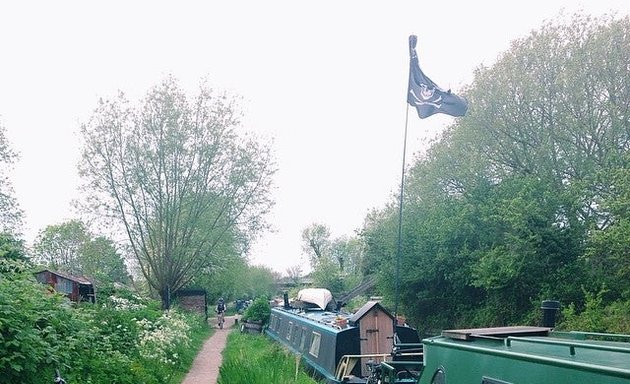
column 254, row 359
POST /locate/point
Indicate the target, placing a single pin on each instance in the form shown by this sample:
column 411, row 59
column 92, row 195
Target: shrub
column 126, row 340
column 597, row 317
column 259, row 310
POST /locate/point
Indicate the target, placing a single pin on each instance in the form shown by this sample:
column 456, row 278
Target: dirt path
column 205, row 368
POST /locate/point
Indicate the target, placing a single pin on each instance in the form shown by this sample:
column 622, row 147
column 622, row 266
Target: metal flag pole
column 428, row 99
column 400, row 201
column 400, row 212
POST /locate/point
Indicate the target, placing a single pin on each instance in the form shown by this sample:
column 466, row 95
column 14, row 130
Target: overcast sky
column 325, row 80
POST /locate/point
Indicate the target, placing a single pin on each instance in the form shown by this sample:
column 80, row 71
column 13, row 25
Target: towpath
column 205, row 368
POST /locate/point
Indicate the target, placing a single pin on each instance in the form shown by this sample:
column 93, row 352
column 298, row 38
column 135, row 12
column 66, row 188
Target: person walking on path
column 205, row 368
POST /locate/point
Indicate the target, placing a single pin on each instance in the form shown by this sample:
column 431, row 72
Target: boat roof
column 324, row 318
column 606, row 351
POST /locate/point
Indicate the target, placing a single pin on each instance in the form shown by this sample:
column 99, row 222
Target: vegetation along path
column 205, row 368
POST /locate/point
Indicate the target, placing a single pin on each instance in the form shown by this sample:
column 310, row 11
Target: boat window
column 296, row 329
column 290, row 330
column 315, row 344
column 302, row 339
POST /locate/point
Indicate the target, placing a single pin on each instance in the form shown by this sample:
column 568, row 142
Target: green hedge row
column 122, row 339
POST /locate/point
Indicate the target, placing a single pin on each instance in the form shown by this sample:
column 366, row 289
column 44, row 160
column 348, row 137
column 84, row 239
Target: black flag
column 425, row 95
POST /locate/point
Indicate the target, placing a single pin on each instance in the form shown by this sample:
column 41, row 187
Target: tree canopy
column 525, row 198
column 187, row 188
column 70, row 247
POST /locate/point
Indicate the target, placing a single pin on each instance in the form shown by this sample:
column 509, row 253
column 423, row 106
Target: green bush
column 597, row 317
column 259, row 310
column 123, row 339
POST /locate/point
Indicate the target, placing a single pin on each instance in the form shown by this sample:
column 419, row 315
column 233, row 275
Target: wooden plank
column 467, row 334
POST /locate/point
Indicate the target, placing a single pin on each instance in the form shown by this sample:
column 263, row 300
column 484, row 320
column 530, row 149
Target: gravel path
column 205, row 368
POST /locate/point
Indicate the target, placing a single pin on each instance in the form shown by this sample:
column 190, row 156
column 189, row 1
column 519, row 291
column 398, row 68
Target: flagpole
column 400, row 212
column 428, row 99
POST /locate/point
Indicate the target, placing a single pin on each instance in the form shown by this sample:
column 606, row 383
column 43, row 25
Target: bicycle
column 220, row 319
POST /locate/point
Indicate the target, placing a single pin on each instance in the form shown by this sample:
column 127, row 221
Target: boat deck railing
column 348, row 362
column 402, row 371
column 572, row 345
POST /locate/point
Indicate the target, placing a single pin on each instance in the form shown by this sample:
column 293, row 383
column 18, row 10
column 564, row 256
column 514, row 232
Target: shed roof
column 79, row 279
column 367, row 307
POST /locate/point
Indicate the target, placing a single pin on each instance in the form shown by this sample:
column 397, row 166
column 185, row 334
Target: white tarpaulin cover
column 318, row 296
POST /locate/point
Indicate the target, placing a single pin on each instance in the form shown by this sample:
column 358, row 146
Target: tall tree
column 316, row 242
column 499, row 211
column 59, row 246
column 70, row 247
column 186, row 187
column 347, row 252
column 102, row 261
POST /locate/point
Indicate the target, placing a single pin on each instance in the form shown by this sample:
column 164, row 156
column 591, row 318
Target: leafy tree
column 498, row 212
column 608, row 247
column 69, row 247
column 316, row 242
column 336, row 262
column 102, row 261
column 10, row 214
column 12, row 248
column 347, row 252
column 260, row 281
column 186, row 187
column 59, row 246
column 328, row 275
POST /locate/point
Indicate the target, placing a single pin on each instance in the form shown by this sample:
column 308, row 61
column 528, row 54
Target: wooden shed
column 376, row 329
column 76, row 288
column 195, row 300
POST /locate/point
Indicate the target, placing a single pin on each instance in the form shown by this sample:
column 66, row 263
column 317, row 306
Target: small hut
column 76, row 288
column 376, row 330
column 195, row 300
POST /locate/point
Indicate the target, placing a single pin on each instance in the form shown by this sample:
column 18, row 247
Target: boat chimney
column 550, row 309
column 285, row 296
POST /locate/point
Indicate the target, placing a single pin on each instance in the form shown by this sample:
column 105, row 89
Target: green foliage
column 327, row 274
column 527, row 196
column 597, row 316
column 259, row 310
column 233, row 279
column 70, row 247
column 11, row 247
column 253, row 359
column 337, row 264
column 122, row 339
column 30, row 324
column 176, row 173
